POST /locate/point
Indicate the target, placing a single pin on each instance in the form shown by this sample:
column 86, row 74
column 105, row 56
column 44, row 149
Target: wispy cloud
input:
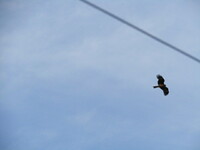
column 75, row 78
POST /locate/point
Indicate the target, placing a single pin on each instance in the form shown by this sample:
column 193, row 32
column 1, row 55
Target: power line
column 141, row 30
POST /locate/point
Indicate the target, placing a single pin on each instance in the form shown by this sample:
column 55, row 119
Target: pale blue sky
column 73, row 78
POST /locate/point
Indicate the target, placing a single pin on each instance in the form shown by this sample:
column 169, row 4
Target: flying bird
column 161, row 85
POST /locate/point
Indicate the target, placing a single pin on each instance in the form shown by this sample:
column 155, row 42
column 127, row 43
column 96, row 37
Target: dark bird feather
column 161, row 85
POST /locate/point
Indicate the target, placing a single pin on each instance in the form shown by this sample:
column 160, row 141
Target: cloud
column 82, row 118
column 79, row 79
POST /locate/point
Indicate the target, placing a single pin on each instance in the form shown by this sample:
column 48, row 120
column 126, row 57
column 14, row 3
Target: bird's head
column 159, row 76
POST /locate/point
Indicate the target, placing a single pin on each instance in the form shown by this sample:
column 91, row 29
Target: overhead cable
column 141, row 30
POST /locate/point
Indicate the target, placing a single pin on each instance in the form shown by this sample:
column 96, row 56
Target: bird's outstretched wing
column 161, row 80
column 165, row 90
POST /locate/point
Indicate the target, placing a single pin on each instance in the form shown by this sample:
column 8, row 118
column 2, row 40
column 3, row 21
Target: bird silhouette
column 161, row 85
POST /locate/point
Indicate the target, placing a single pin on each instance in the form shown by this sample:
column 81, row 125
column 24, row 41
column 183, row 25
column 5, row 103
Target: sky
column 73, row 78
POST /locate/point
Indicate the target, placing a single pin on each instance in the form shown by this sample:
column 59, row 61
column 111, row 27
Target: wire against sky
column 140, row 30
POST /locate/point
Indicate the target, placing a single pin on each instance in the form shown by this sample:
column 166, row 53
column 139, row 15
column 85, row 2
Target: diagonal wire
column 141, row 30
